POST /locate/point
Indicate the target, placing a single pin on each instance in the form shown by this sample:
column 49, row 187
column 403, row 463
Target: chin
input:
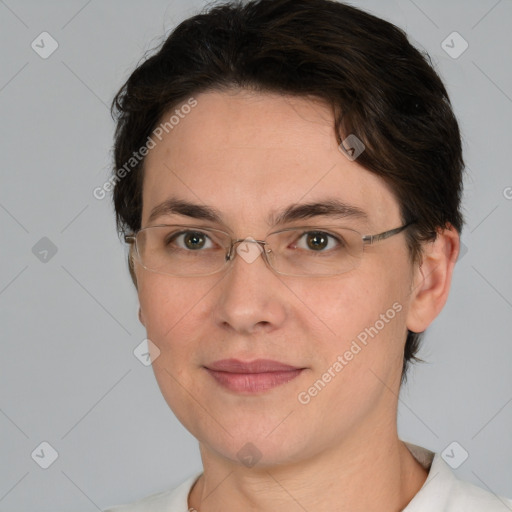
column 259, row 445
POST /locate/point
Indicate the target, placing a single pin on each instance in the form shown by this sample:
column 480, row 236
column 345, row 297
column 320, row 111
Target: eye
column 317, row 241
column 190, row 240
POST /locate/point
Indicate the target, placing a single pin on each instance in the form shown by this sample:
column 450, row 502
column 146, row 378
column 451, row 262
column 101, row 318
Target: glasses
column 181, row 250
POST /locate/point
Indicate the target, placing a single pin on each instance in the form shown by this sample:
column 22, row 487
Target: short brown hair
column 381, row 88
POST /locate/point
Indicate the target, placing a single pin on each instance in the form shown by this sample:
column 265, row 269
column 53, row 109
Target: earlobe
column 141, row 317
column 432, row 279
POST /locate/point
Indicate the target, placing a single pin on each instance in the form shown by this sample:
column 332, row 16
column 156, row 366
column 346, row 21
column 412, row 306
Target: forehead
column 247, row 154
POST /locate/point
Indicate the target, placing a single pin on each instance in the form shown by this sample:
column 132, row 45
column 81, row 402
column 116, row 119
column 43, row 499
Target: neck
column 373, row 474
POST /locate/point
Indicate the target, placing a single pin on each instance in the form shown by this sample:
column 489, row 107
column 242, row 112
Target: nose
column 251, row 297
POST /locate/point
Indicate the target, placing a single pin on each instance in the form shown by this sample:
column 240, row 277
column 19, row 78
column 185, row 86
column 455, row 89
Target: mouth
column 252, row 376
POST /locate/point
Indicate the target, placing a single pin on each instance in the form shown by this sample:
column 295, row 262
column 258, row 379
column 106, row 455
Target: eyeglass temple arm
column 129, row 239
column 370, row 239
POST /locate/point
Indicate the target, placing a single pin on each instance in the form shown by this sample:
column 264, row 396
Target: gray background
column 68, row 375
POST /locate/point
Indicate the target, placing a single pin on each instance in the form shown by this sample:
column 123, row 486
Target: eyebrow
column 329, row 208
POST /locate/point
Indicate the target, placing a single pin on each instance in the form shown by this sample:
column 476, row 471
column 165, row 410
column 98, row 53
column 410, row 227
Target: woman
column 288, row 174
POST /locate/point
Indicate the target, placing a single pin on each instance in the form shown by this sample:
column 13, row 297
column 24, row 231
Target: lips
column 252, row 376
column 256, row 366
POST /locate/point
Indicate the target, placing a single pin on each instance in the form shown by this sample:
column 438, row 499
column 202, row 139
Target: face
column 248, row 156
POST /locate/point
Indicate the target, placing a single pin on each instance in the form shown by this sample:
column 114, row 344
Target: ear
column 432, row 279
column 141, row 317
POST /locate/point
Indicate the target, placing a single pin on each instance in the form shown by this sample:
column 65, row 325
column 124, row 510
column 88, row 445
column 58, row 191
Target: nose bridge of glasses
column 245, row 252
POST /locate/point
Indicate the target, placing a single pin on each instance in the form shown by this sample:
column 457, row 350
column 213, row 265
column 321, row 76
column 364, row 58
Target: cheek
column 362, row 315
column 170, row 308
column 165, row 299
column 348, row 304
column 379, row 308
column 363, row 345
column 168, row 305
column 177, row 314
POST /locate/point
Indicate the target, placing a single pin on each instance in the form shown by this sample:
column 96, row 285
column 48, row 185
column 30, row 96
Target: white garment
column 441, row 492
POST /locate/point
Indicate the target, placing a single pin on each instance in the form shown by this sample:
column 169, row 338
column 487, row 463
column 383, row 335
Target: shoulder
column 471, row 498
column 444, row 491
column 171, row 500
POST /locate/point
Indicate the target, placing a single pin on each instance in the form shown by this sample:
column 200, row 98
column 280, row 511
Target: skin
column 248, row 154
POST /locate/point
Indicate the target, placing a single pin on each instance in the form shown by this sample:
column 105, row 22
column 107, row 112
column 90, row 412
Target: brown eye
column 194, row 240
column 190, row 240
column 316, row 240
